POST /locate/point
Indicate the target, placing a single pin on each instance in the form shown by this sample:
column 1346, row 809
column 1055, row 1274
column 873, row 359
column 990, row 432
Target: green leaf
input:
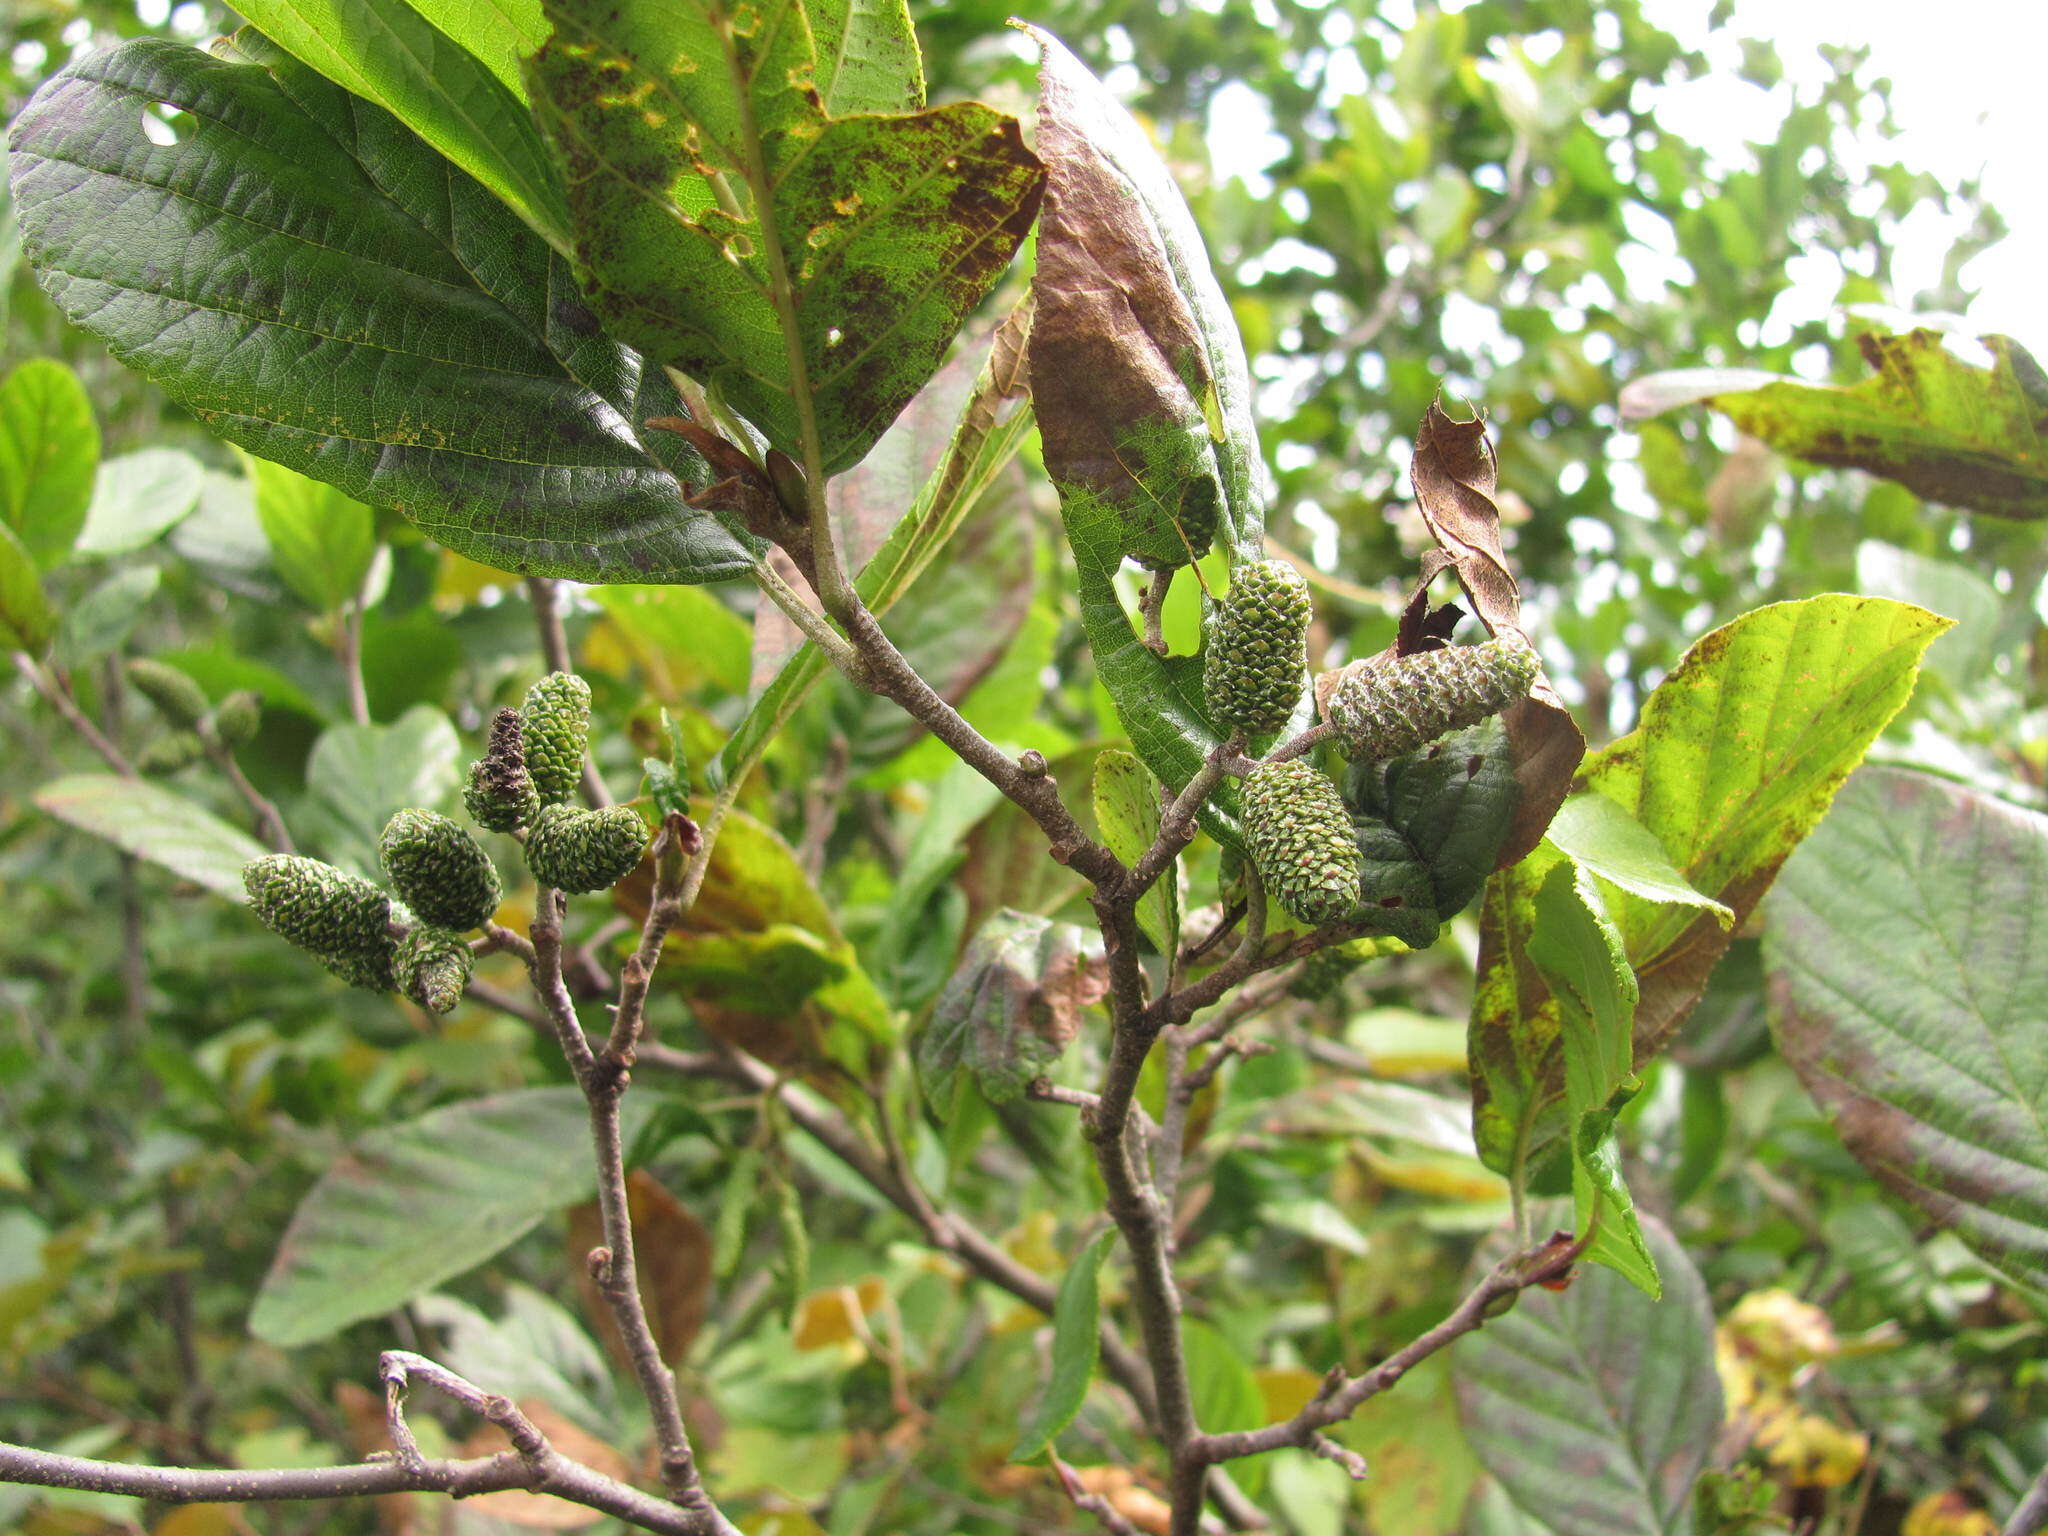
column 1012, row 1007
column 1127, row 815
column 416, row 1204
column 1739, row 752
column 499, row 32
column 680, row 636
column 49, row 444
column 1943, row 587
column 103, row 618
column 1225, row 1391
column 1595, row 1406
column 1906, row 956
column 868, row 60
column 1144, row 397
column 1076, row 1338
column 985, row 439
column 386, row 52
column 427, row 353
column 812, row 270
column 139, row 497
column 152, row 823
column 1946, row 429
column 1609, row 843
column 1429, row 825
column 358, row 775
column 321, row 542
column 1579, row 952
column 26, row 619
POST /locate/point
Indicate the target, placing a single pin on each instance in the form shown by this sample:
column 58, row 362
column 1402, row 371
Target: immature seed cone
column 555, row 726
column 432, row 967
column 578, row 850
column 1257, row 647
column 1300, row 840
column 1406, row 703
column 170, row 752
column 236, row 718
column 177, row 698
column 500, row 793
column 342, row 921
column 438, row 870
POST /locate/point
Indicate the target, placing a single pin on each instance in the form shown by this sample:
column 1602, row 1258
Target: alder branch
column 533, row 1464
column 1342, row 1396
column 59, row 698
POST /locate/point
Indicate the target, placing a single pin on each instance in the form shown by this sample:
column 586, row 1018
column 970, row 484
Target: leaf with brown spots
column 1012, row 1007
column 813, row 269
column 1906, row 956
column 672, row 1252
column 1946, row 429
column 1456, row 480
column 1736, row 759
column 1596, row 1407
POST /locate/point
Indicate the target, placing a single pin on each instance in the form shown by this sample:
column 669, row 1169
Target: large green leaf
column 321, row 541
column 1075, row 1340
column 1906, row 951
column 812, row 269
column 26, row 619
column 415, row 1204
column 386, row 52
column 1739, row 751
column 1429, row 825
column 322, row 288
column 152, row 823
column 49, row 444
column 1945, row 428
column 1595, row 1406
column 868, row 60
column 499, row 32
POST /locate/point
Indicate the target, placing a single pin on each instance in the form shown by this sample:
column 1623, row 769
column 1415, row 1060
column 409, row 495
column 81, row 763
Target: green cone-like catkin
column 177, row 698
column 1257, row 645
column 342, row 921
column 1406, row 703
column 438, row 870
column 500, row 792
column 170, row 752
column 1323, row 972
column 1300, row 840
column 236, row 718
column 555, row 727
column 432, row 967
column 577, row 850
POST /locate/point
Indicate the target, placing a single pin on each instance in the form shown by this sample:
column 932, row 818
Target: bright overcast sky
column 1968, row 95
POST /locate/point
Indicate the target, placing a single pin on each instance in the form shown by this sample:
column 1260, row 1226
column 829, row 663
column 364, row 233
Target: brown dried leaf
column 1456, row 482
column 673, row 1250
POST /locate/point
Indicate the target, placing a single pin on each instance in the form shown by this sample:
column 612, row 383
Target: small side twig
column 1094, row 1503
column 1153, row 606
column 58, row 697
column 2030, row 1515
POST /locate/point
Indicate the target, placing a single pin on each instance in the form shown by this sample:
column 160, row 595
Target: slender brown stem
column 1153, row 608
column 58, row 697
column 1342, row 1396
column 348, row 652
column 269, row 824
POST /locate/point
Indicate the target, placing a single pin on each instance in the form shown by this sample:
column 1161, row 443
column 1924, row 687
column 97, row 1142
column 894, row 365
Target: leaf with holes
column 1595, row 1406
column 1906, row 956
column 322, row 288
column 812, row 269
column 418, row 1203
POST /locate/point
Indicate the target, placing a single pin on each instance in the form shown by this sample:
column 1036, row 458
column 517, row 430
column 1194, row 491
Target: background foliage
column 1479, row 199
